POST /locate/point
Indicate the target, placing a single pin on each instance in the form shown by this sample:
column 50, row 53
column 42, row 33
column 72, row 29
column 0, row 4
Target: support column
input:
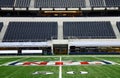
column 32, row 4
column 2, row 33
column 60, row 30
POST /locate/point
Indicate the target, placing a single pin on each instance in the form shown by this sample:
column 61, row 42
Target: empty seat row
column 96, row 53
column 118, row 25
column 112, row 3
column 7, row 3
column 42, row 31
column 30, row 31
column 22, row 3
column 15, row 3
column 104, row 3
column 97, row 3
column 84, row 30
column 59, row 3
column 1, row 25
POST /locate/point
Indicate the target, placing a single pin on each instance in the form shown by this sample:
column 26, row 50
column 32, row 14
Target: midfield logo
column 57, row 63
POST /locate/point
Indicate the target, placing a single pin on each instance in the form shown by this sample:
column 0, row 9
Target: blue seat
column 1, row 25
column 7, row 3
column 112, row 3
column 31, row 31
column 97, row 3
column 118, row 25
column 59, row 3
column 88, row 30
column 22, row 3
column 93, row 53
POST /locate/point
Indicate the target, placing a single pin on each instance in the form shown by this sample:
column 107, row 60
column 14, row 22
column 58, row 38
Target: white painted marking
column 60, row 69
column 70, row 72
column 113, row 63
column 83, row 72
column 6, row 64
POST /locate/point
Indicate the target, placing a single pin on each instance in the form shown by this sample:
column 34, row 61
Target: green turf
column 106, row 71
column 114, row 59
column 95, row 71
column 5, row 60
column 26, row 71
column 40, row 59
column 79, row 58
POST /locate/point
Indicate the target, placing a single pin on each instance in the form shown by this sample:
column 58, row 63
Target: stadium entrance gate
column 61, row 49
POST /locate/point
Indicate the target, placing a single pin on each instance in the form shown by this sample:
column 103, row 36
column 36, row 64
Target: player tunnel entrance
column 60, row 49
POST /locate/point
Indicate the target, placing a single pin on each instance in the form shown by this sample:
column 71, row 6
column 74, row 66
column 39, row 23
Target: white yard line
column 60, row 69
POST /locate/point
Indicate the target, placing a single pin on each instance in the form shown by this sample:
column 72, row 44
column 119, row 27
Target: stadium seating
column 97, row 3
column 93, row 53
column 112, row 3
column 7, row 3
column 22, row 3
column 59, row 3
column 1, row 25
column 118, row 25
column 88, row 30
column 30, row 31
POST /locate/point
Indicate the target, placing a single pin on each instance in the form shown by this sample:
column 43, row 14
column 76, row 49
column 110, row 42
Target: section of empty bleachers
column 112, row 3
column 7, row 3
column 1, row 25
column 118, row 25
column 59, row 3
column 93, row 53
column 97, row 3
column 22, row 3
column 104, row 3
column 30, row 31
column 85, row 30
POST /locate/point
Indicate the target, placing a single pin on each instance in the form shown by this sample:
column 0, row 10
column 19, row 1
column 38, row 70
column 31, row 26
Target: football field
column 99, row 66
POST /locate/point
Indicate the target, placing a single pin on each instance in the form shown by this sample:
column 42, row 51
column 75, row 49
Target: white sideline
column 60, row 69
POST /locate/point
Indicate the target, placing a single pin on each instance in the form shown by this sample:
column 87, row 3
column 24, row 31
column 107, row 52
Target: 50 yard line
column 60, row 69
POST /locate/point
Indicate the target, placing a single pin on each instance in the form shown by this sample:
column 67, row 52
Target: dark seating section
column 97, row 3
column 30, row 31
column 112, row 3
column 59, row 3
column 104, row 3
column 85, row 30
column 22, row 3
column 1, row 25
column 118, row 25
column 7, row 3
column 93, row 53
